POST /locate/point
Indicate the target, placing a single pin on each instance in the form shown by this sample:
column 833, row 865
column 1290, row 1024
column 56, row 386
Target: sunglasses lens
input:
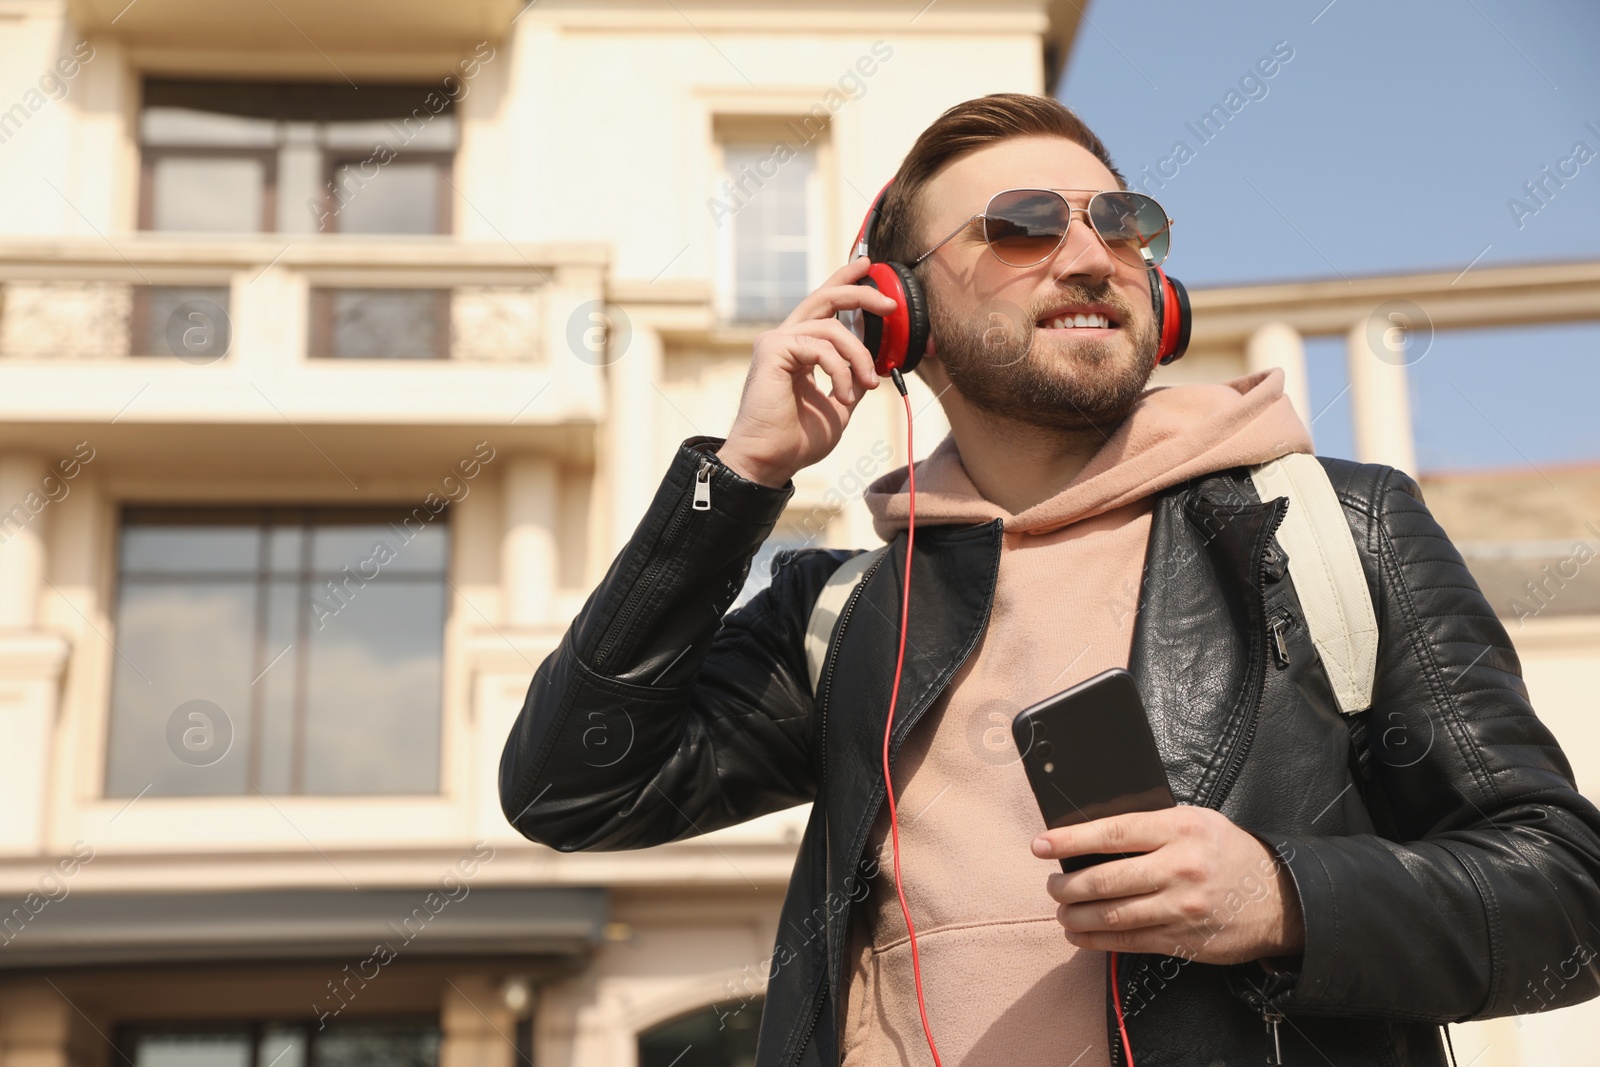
column 1133, row 226
column 1024, row 226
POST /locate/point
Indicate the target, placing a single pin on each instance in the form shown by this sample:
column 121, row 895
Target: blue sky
column 1391, row 139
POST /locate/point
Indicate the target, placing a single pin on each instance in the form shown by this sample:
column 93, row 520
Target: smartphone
column 1089, row 752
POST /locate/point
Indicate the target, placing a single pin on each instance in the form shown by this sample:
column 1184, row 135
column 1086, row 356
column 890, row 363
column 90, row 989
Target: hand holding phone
column 1089, row 752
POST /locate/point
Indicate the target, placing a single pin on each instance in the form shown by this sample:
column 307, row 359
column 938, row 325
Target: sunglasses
column 1024, row 227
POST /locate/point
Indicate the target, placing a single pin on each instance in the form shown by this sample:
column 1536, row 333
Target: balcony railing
column 76, row 320
column 82, row 321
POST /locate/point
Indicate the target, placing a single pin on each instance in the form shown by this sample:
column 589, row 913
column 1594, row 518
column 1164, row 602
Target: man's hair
column 965, row 128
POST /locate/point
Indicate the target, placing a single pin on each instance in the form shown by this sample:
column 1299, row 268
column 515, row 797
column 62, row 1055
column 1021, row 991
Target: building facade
column 341, row 346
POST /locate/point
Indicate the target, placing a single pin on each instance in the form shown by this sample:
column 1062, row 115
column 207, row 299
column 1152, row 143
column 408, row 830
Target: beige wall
column 586, row 162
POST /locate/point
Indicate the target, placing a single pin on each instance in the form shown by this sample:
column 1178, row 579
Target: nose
column 1082, row 256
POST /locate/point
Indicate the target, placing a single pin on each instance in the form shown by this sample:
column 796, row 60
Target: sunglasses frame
column 1072, row 209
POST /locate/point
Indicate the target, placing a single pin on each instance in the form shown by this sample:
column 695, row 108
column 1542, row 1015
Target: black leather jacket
column 1459, row 882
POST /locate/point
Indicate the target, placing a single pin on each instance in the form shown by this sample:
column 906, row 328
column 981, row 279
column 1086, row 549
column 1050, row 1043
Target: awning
column 288, row 924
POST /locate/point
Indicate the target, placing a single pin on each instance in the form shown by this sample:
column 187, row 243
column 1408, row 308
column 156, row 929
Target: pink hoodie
column 1003, row 985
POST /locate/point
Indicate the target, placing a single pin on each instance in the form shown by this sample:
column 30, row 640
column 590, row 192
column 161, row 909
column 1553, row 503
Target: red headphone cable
column 1116, row 1000
column 888, row 783
column 888, row 729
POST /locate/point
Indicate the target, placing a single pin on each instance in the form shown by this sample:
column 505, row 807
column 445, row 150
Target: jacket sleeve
column 657, row 718
column 1488, row 905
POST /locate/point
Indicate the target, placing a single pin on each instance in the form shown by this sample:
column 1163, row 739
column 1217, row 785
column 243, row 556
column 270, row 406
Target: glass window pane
column 385, row 323
column 227, row 680
column 377, row 1045
column 175, row 549
column 191, row 127
column 282, row 1046
column 302, row 130
column 210, row 194
column 375, row 691
column 192, row 1050
column 276, row 686
column 283, row 548
column 395, row 198
column 406, row 546
column 181, row 320
column 413, row 128
column 770, row 230
column 176, row 643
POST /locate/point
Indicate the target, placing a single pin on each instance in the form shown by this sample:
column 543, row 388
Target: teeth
column 1069, row 322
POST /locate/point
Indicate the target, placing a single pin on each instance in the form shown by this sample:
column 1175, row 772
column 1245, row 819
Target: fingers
column 850, row 273
column 839, row 295
column 1105, row 881
column 846, row 344
column 1140, row 831
column 808, row 352
column 1129, row 913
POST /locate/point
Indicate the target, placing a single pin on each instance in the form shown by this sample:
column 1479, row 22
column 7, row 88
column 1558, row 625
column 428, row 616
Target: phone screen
column 1089, row 753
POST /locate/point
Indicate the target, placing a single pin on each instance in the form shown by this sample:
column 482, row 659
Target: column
column 1380, row 399
column 528, row 563
column 1277, row 344
column 31, row 661
column 633, row 471
column 478, row 1029
column 38, row 1028
column 24, row 502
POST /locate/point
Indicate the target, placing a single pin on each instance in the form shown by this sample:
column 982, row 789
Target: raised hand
column 785, row 421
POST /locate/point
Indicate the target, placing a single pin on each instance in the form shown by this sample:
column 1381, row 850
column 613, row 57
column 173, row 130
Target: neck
column 1017, row 464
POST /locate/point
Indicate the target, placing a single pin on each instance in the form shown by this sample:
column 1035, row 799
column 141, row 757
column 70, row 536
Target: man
column 1074, row 520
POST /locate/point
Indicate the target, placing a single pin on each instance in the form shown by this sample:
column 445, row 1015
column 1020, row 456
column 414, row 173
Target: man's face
column 1004, row 334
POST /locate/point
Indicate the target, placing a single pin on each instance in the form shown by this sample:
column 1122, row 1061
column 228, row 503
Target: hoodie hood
column 1172, row 433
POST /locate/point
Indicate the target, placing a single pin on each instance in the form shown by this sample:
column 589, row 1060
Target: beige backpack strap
column 830, row 603
column 1327, row 574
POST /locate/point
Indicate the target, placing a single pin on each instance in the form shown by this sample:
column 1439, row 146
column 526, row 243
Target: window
column 380, row 323
column 768, row 210
column 334, row 1044
column 256, row 157
column 717, row 1035
column 770, row 231
column 291, row 651
column 188, row 321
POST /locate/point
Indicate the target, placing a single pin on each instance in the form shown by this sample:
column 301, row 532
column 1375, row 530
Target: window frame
column 444, row 209
column 149, row 154
column 127, row 1034
column 319, row 321
column 740, row 121
column 195, row 514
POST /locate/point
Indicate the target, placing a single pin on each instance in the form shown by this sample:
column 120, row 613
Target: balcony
column 347, row 331
column 286, row 25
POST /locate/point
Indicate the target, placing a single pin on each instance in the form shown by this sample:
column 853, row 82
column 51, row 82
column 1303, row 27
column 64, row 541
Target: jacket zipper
column 1241, row 748
column 1272, row 1017
column 1115, row 1044
column 1282, row 621
column 619, row 624
column 811, row 1027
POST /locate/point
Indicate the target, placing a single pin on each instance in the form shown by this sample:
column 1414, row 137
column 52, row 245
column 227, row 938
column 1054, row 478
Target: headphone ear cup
column 1174, row 319
column 895, row 340
column 917, row 315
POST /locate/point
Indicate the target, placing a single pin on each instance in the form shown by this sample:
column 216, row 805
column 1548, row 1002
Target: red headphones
column 898, row 339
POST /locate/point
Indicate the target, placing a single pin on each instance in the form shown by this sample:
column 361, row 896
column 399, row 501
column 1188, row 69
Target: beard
column 994, row 359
